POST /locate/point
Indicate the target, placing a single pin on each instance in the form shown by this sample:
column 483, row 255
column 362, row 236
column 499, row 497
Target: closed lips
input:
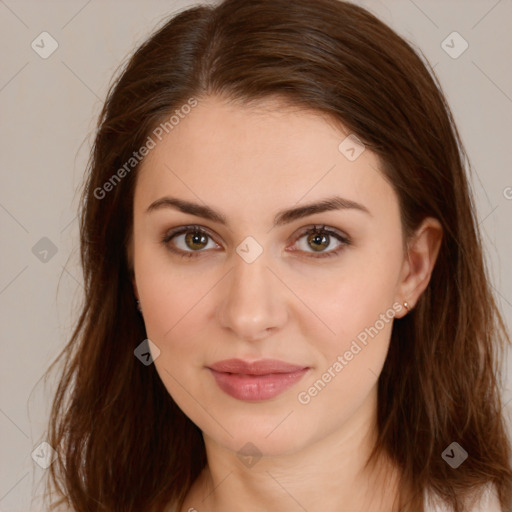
column 256, row 381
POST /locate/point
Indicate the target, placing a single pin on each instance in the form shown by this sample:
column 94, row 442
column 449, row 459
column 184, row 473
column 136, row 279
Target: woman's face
column 258, row 284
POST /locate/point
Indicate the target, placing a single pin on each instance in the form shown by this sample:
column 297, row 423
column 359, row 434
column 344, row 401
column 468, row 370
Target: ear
column 421, row 254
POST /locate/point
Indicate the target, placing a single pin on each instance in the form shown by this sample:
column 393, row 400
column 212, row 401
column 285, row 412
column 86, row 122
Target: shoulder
column 486, row 501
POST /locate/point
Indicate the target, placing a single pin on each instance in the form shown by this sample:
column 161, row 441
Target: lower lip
column 256, row 387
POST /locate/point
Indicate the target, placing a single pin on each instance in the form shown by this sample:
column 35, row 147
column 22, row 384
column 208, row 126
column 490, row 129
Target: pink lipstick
column 256, row 381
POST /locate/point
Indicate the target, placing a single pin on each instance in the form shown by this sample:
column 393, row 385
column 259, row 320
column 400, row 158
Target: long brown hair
column 122, row 442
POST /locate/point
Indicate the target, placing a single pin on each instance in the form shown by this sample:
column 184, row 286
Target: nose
column 252, row 305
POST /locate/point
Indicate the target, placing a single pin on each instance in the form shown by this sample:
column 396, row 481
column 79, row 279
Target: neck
column 331, row 471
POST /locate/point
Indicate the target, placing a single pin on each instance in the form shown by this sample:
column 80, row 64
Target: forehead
column 260, row 156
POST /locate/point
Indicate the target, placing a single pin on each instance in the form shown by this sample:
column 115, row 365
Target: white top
column 488, row 503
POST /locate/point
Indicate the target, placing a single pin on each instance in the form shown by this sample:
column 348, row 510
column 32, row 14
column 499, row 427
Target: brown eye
column 318, row 242
column 318, row 239
column 188, row 241
column 196, row 240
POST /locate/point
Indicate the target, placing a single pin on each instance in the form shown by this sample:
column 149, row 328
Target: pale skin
column 248, row 164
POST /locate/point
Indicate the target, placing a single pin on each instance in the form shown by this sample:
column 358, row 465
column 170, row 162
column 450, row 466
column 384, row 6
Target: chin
column 270, row 436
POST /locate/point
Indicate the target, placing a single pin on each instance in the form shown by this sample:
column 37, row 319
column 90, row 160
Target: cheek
column 173, row 303
column 361, row 314
column 343, row 386
column 348, row 299
column 357, row 310
column 166, row 293
column 174, row 316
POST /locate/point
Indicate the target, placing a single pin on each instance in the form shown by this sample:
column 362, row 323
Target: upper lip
column 261, row 367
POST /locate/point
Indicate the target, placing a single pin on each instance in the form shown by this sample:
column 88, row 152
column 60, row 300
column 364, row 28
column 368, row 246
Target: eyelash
column 345, row 241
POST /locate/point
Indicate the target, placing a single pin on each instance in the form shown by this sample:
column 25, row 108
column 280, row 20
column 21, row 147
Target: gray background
column 48, row 114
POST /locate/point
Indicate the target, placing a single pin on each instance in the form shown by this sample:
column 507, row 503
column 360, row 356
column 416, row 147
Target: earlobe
column 422, row 252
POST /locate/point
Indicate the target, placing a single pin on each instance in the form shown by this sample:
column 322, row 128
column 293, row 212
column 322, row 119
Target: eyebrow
column 281, row 218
